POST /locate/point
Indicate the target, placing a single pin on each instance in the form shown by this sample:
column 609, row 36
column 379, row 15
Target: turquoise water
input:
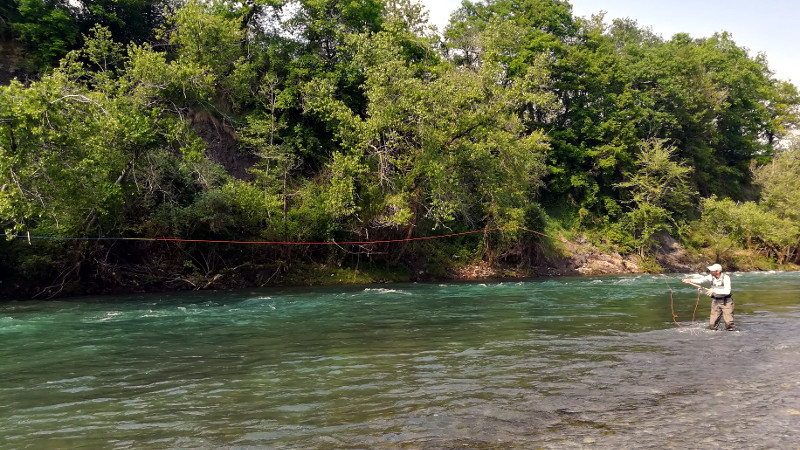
column 572, row 362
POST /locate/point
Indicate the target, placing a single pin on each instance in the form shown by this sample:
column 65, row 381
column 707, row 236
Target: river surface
column 557, row 363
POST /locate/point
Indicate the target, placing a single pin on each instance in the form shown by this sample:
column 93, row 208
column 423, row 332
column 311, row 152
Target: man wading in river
column 720, row 293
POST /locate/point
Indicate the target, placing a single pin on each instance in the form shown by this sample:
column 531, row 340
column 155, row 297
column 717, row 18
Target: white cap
column 715, row 268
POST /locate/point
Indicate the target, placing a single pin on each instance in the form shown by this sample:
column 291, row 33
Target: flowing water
column 557, row 363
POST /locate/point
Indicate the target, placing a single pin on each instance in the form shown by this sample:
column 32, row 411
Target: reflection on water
column 572, row 362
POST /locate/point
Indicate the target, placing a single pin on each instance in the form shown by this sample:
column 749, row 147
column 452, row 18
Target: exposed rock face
column 478, row 271
column 589, row 260
column 586, row 259
column 11, row 61
column 222, row 145
column 673, row 257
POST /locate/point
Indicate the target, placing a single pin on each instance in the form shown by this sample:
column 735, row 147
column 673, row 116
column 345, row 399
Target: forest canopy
column 355, row 121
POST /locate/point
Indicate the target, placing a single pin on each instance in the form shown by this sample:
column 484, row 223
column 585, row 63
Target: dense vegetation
column 334, row 121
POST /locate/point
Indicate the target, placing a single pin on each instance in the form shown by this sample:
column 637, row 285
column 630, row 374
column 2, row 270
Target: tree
column 714, row 101
column 206, row 37
column 435, row 148
column 780, row 193
column 780, row 184
column 51, row 28
column 48, row 29
column 276, row 159
column 657, row 192
column 128, row 21
column 726, row 225
column 590, row 115
column 74, row 146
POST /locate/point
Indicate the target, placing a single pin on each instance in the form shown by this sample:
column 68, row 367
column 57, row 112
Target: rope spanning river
column 557, row 363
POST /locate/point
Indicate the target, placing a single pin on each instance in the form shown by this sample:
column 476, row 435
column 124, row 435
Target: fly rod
column 696, row 285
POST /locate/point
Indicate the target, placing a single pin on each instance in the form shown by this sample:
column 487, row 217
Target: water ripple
column 574, row 362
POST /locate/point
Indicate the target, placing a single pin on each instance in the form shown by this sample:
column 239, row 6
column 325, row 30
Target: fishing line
column 672, row 304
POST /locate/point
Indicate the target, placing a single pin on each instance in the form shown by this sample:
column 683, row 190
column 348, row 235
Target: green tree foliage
column 75, row 145
column 728, row 225
column 63, row 152
column 593, row 135
column 206, row 36
column 8, row 15
column 714, row 97
column 127, row 20
column 73, row 138
column 51, row 28
column 780, row 194
column 48, row 28
column 618, row 85
column 329, row 120
column 780, row 183
column 445, row 147
column 273, row 171
column 657, row 193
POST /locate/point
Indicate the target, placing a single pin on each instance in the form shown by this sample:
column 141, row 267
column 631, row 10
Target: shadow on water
column 521, row 364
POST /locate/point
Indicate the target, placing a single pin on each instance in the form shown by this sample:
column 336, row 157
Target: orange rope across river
column 211, row 241
column 29, row 237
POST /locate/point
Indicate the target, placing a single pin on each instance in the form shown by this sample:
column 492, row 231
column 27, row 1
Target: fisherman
column 720, row 293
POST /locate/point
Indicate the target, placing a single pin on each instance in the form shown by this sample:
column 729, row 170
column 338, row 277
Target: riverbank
column 578, row 257
column 582, row 258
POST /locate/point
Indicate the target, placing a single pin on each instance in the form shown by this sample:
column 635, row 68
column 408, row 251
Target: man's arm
column 696, row 280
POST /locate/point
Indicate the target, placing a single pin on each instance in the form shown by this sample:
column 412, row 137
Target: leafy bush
column 726, row 224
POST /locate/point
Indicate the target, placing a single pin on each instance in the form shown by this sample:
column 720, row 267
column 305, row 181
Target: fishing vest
column 719, row 283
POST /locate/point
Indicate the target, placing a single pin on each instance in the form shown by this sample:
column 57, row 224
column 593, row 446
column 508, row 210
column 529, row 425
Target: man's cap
column 715, row 268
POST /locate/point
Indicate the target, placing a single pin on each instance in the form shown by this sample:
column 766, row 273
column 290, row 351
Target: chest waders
column 721, row 306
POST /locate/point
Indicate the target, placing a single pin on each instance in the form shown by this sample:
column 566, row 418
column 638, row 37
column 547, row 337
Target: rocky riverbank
column 585, row 259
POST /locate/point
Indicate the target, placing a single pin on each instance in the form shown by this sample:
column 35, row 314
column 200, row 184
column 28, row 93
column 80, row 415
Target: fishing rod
column 696, row 285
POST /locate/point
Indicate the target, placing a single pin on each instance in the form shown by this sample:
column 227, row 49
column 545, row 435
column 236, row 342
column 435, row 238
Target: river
column 547, row 363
